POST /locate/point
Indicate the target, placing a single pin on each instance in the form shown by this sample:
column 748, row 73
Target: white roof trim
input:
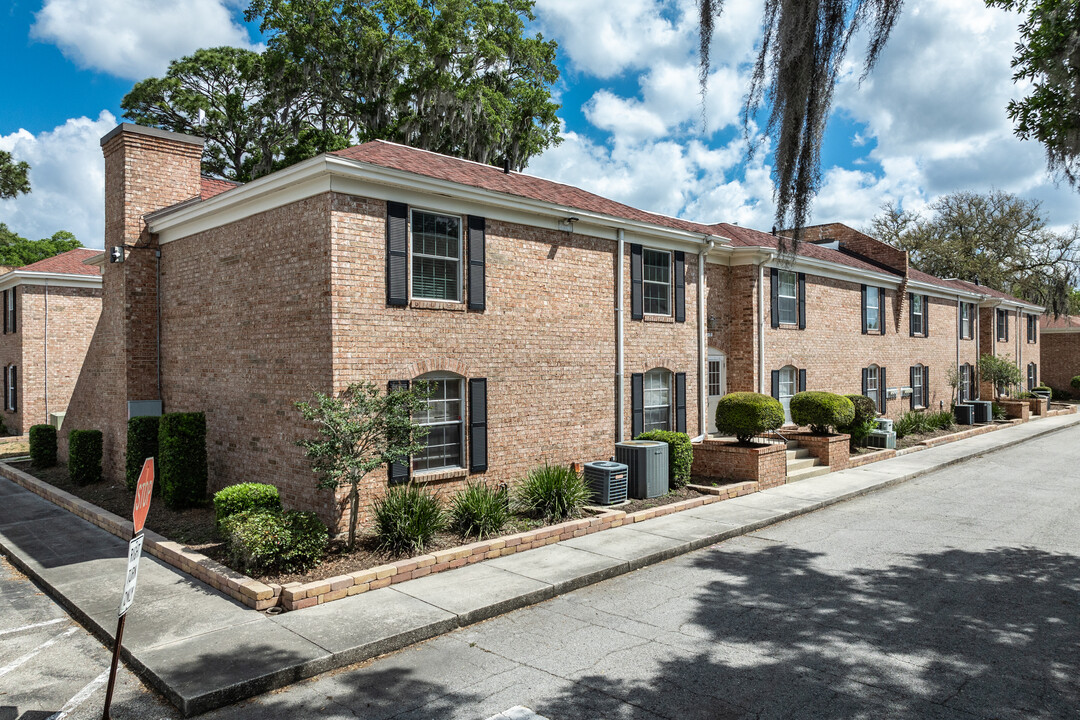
column 1058, row 331
column 25, row 277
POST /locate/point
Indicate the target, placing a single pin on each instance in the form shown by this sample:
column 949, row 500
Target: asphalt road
column 956, row 595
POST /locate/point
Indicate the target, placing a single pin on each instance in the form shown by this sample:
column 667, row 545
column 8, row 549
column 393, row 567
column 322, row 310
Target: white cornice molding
column 1059, row 331
column 24, row 277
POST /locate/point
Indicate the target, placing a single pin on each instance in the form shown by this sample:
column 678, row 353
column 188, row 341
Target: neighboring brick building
column 51, row 309
column 1060, row 339
column 387, row 264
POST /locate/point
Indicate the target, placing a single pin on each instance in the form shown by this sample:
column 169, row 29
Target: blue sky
column 931, row 119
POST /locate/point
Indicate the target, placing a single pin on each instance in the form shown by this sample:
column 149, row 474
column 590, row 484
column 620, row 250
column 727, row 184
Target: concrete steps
column 801, row 465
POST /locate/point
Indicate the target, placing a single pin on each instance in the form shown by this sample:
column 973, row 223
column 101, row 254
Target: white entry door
column 717, row 383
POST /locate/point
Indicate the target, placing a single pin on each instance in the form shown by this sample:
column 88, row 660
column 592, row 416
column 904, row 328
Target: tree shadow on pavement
column 955, row 634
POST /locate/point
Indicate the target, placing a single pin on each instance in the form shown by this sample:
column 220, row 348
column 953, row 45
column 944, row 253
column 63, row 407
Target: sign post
column 143, row 492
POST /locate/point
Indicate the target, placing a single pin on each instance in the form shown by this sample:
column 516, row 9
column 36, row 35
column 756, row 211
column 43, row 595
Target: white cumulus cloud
column 67, row 178
column 135, row 39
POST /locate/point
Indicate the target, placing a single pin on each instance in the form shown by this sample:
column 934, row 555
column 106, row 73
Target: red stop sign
column 143, row 491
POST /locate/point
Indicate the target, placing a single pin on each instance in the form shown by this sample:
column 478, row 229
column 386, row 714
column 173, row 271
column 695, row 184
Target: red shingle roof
column 988, row 291
column 486, row 177
column 746, row 237
column 69, row 263
column 1061, row 322
column 215, row 186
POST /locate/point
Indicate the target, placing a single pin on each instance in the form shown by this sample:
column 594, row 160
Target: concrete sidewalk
column 204, row 650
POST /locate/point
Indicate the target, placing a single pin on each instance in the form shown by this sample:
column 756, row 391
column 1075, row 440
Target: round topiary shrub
column 680, row 455
column 821, row 410
column 245, row 496
column 746, row 414
column 42, row 445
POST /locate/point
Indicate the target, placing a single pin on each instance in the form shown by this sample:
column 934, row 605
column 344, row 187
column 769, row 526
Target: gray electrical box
column 607, row 481
column 647, row 461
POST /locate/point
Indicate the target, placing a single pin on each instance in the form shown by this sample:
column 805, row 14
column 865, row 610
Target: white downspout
column 761, row 326
column 703, row 348
column 958, row 333
column 620, row 397
column 45, row 353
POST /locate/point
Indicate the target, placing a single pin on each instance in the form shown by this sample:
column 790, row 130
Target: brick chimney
column 146, row 169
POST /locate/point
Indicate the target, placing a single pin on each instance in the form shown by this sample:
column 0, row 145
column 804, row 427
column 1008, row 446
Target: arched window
column 657, row 397
column 445, row 419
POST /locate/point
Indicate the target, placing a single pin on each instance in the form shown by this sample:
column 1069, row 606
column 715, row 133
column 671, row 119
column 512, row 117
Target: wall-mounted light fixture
column 116, row 254
column 568, row 224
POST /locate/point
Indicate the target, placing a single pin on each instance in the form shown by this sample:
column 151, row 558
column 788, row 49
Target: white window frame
column 918, row 385
column 667, row 285
column 875, row 304
column 10, row 310
column 1032, row 376
column 793, row 297
column 1001, row 324
column 920, row 315
column 460, row 260
column 965, row 321
column 9, row 401
column 664, row 379
column 436, row 377
column 873, row 380
column 966, row 379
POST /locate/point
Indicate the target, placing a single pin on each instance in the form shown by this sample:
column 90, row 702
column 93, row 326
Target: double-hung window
column 444, row 420
column 873, row 309
column 9, row 311
column 657, row 399
column 873, row 391
column 1002, row 325
column 787, row 299
column 966, row 374
column 656, row 283
column 436, row 256
column 10, row 385
column 1032, row 329
column 966, row 330
column 917, row 384
column 918, row 314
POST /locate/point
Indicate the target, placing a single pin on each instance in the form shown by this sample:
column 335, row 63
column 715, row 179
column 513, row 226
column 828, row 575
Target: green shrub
column 182, row 458
column 262, row 541
column 479, row 510
column 243, row 497
column 84, row 456
column 746, row 414
column 821, row 410
column 941, row 420
column 680, row 455
column 1059, row 395
column 997, row 411
column 1043, row 388
column 553, row 492
column 863, row 422
column 1025, row 395
column 142, row 443
column 406, row 519
column 1075, row 382
column 42, row 445
column 911, row 423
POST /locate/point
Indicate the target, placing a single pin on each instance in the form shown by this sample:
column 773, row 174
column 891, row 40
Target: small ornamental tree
column 952, row 376
column 1000, row 372
column 360, row 430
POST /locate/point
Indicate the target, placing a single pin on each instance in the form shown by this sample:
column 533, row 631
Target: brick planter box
column 1039, row 406
column 832, row 450
column 763, row 464
column 1016, row 409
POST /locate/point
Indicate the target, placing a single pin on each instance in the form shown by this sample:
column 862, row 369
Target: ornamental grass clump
column 746, row 414
column 821, row 411
column 553, row 492
column 680, row 455
column 479, row 510
column 407, row 518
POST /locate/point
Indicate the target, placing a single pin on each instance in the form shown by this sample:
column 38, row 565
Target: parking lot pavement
column 52, row 668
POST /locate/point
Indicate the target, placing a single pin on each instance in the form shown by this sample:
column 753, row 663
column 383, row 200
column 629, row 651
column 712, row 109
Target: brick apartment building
column 1060, row 351
column 50, row 309
column 554, row 322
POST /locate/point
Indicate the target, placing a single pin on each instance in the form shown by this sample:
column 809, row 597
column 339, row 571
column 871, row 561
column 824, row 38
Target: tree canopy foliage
column 997, row 239
column 14, row 178
column 459, row 77
column 16, row 251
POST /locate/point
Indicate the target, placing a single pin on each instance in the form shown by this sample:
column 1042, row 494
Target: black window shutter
column 680, row 287
column 680, row 402
column 911, row 381
column 925, row 386
column 637, row 302
column 477, row 295
column 5, row 314
column 865, row 380
column 882, row 385
column 926, row 316
column 14, row 308
column 864, row 329
column 776, row 384
column 637, row 404
column 1006, row 326
column 881, row 308
column 911, row 314
column 802, row 380
column 802, row 301
column 478, row 444
column 774, row 296
column 398, row 473
column 397, row 253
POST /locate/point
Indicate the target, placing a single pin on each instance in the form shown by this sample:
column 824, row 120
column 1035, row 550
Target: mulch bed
column 683, row 493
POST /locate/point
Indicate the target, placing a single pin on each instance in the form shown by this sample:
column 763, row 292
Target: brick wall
column 1017, row 349
column 11, row 353
column 731, row 300
column 1060, row 359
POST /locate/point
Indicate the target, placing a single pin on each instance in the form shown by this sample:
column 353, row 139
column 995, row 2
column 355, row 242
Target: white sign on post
column 134, row 552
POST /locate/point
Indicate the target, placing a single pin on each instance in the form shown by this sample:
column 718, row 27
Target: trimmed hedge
column 864, row 421
column 84, row 456
column 42, row 445
column 1075, row 382
column 746, row 414
column 243, row 497
column 264, row 542
column 680, row 455
column 182, row 458
column 821, row 410
column 142, row 443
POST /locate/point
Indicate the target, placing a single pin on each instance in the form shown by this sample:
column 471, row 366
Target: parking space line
column 78, row 698
column 30, row 655
column 31, row 627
